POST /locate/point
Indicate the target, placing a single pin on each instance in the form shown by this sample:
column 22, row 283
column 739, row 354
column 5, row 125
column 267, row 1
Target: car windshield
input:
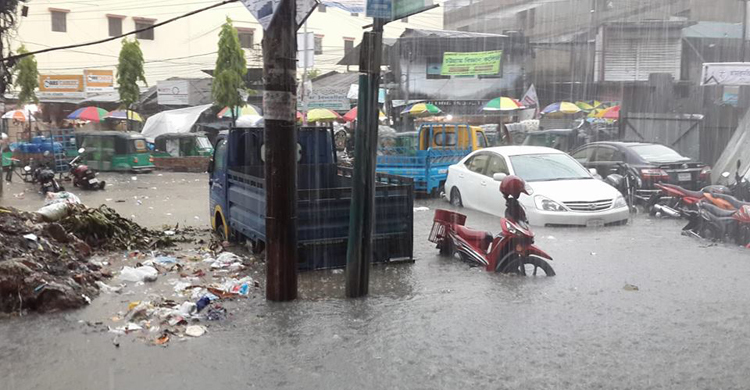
column 657, row 153
column 548, row 167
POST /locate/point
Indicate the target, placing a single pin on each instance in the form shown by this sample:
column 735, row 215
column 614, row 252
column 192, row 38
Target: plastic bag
column 54, row 212
column 61, row 197
column 140, row 274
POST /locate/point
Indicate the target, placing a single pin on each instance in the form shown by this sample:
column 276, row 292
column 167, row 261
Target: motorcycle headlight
column 546, row 204
column 620, row 202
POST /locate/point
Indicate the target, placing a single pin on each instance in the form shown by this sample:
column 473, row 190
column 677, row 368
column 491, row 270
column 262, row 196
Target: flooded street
column 436, row 323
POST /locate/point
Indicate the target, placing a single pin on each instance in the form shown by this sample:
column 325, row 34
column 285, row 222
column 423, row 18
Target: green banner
column 471, row 64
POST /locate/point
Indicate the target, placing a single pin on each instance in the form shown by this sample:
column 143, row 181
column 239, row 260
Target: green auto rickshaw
column 115, row 151
column 182, row 145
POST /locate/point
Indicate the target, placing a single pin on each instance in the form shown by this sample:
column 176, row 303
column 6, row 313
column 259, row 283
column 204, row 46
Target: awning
column 172, row 121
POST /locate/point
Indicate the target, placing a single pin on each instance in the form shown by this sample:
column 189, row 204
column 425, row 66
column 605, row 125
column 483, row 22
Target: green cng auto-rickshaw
column 182, row 145
column 115, row 151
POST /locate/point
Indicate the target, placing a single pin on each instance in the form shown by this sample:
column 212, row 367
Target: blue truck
column 426, row 161
column 238, row 199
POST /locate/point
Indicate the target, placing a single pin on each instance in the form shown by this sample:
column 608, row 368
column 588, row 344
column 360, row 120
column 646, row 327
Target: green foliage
column 313, row 73
column 27, row 78
column 230, row 70
column 129, row 72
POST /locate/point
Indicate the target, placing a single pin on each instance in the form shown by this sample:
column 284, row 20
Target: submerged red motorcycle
column 511, row 251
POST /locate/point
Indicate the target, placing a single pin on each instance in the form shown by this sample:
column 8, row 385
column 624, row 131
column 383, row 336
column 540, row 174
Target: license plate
column 93, row 181
column 595, row 223
column 684, row 176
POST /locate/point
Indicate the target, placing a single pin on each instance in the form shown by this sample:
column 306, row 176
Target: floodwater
column 435, row 324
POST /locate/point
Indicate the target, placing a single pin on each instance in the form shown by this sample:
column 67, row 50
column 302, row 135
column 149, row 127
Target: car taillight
column 705, row 172
column 654, row 174
column 135, row 160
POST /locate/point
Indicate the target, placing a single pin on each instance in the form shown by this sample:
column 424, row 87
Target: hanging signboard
column 264, row 10
column 332, row 99
column 471, row 64
column 99, row 80
column 726, row 73
column 63, row 86
column 404, row 8
column 173, row 92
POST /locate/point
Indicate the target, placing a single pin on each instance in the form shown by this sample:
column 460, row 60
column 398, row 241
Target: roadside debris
column 141, row 274
column 630, row 287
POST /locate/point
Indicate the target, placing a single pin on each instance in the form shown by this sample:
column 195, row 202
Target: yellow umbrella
column 323, row 115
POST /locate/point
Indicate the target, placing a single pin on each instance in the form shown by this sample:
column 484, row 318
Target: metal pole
column 279, row 108
column 744, row 31
column 304, row 77
column 362, row 211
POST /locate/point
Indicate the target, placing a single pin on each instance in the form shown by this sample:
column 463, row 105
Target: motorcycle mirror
column 499, row 176
column 725, row 175
column 81, row 150
column 27, row 168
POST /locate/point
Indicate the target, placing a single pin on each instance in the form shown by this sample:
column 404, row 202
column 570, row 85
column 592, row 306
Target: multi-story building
column 186, row 47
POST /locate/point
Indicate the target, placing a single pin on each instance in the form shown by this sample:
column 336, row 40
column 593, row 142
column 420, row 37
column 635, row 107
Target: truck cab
column 238, row 199
column 438, row 146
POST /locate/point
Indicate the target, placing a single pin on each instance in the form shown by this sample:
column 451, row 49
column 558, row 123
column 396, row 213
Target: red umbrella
column 610, row 113
column 351, row 116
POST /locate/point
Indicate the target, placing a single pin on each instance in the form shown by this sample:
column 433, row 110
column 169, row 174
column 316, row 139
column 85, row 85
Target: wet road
column 438, row 323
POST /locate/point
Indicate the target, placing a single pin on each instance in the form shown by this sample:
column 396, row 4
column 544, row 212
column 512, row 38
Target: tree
column 8, row 15
column 313, row 73
column 129, row 72
column 230, row 70
column 27, row 78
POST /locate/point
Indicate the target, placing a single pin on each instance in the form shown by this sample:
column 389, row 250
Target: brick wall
column 182, row 164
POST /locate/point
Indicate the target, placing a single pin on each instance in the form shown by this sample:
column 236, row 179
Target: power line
column 13, row 58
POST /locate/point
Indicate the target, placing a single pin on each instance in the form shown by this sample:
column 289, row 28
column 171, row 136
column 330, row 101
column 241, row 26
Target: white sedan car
column 564, row 192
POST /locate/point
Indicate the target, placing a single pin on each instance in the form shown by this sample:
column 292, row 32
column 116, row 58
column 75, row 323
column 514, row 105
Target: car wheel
column 456, row 198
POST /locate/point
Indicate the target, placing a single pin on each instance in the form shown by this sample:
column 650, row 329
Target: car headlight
column 620, row 202
column 546, row 204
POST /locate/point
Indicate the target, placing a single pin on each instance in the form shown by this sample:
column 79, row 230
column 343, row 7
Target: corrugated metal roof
column 716, row 30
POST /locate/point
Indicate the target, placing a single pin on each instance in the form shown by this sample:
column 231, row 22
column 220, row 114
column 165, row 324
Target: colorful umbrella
column 93, row 114
column 18, row 115
column 125, row 114
column 561, row 108
column 351, row 116
column 323, row 115
column 247, row 109
column 609, row 113
column 589, row 106
column 502, row 104
column 422, row 109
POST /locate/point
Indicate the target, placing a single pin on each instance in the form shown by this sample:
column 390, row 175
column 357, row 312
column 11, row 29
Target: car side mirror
column 593, row 171
column 211, row 165
column 499, row 176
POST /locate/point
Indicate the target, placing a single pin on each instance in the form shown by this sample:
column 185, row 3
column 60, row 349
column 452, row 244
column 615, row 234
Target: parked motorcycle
column 83, row 176
column 48, row 182
column 675, row 201
column 717, row 224
column 740, row 189
column 511, row 251
column 627, row 181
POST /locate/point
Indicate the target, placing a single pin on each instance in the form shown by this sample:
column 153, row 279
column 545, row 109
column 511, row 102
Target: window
column 115, row 25
column 59, row 20
column 545, row 167
column 321, row 7
column 247, row 38
column 348, row 46
column 444, row 139
column 478, row 163
column 219, row 156
column 481, row 140
column 144, row 23
column 584, row 155
column 319, row 44
column 521, row 19
column 607, row 155
column 532, row 18
column 496, row 165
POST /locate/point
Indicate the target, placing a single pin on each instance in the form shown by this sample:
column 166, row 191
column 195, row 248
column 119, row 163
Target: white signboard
column 332, row 99
column 726, row 73
column 264, row 10
column 173, row 92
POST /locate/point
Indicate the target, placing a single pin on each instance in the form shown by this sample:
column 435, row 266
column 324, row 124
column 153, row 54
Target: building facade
column 183, row 48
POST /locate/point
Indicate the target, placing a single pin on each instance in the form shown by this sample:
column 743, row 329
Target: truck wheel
column 257, row 246
column 456, row 197
column 220, row 230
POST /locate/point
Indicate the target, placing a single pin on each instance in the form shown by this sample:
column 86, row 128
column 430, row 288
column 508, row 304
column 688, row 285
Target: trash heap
column 44, row 261
column 197, row 290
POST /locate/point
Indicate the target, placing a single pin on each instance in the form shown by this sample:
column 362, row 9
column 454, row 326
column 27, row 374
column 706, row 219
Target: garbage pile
column 193, row 295
column 44, row 256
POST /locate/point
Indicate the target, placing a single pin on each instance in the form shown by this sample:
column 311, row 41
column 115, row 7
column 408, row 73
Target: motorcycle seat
column 478, row 238
column 717, row 211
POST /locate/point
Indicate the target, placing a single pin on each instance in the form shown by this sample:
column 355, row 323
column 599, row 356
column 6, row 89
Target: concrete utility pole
column 279, row 109
column 362, row 211
column 743, row 48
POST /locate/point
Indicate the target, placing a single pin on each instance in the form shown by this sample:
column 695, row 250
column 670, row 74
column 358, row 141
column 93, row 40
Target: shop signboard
column 61, row 86
column 97, row 80
column 471, row 63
